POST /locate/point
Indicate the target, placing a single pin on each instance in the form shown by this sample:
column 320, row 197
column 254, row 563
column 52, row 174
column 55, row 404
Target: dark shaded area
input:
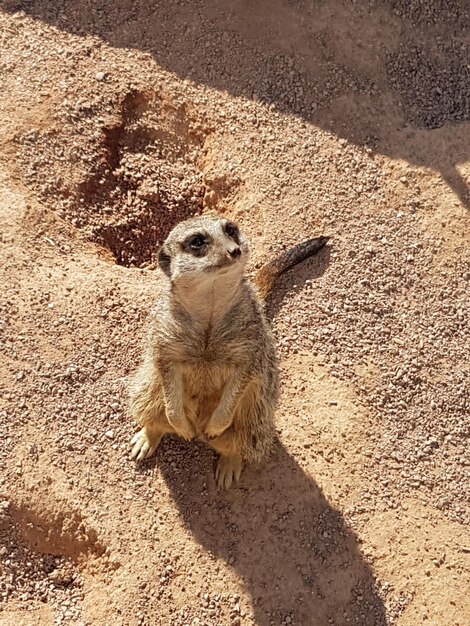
column 291, row 548
column 435, row 90
column 385, row 73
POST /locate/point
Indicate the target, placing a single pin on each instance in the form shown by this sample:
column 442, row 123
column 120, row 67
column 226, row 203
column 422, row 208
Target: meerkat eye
column 196, row 242
column 231, row 230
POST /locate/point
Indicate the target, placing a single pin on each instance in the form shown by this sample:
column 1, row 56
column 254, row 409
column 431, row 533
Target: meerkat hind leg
column 144, row 443
column 228, row 471
column 230, row 461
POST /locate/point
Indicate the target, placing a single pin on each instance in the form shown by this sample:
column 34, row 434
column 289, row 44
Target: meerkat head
column 203, row 248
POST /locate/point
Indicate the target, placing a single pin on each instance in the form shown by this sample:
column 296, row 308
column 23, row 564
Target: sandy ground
column 295, row 118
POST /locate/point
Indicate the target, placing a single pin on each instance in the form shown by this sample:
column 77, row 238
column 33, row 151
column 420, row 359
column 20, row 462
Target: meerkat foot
column 144, row 444
column 228, row 471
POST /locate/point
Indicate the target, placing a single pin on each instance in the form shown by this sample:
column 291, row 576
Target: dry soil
column 295, row 118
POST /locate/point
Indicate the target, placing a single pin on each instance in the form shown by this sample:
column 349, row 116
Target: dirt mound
column 41, row 551
column 55, row 532
column 129, row 174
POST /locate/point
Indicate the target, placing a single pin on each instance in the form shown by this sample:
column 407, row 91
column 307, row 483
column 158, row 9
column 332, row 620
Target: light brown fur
column 209, row 369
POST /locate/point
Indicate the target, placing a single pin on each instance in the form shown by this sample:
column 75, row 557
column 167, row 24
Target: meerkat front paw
column 183, row 427
column 228, row 471
column 216, row 427
column 144, row 444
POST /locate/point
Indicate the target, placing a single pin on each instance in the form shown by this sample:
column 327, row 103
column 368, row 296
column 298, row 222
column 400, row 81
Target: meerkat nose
column 235, row 253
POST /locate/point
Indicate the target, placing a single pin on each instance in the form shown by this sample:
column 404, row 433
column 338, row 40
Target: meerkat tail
column 267, row 275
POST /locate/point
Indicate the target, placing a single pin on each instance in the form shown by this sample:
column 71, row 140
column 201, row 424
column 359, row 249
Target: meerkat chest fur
column 208, row 336
column 201, row 322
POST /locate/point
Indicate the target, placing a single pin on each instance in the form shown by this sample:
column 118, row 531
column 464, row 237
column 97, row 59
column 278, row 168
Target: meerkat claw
column 228, row 471
column 143, row 447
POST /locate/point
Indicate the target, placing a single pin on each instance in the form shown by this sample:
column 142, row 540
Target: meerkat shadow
column 295, row 279
column 293, row 551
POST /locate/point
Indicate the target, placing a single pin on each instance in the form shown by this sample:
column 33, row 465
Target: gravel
column 289, row 124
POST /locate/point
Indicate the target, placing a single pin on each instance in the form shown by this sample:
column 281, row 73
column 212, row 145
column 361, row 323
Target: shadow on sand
column 291, row 548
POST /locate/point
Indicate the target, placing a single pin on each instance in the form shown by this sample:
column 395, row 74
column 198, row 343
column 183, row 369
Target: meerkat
column 209, row 370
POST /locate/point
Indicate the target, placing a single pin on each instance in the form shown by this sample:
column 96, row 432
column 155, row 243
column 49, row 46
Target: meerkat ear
column 164, row 261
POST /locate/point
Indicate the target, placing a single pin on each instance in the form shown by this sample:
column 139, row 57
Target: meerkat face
column 203, row 248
